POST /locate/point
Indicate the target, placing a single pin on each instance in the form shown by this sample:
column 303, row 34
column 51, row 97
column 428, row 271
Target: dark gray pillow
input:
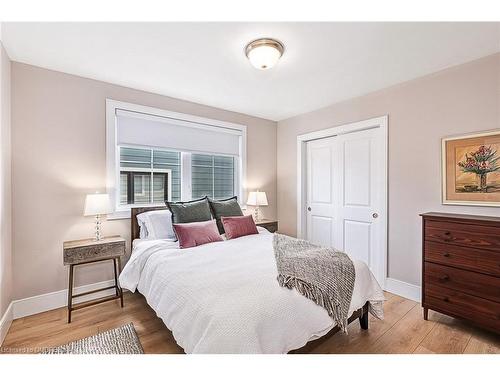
column 189, row 212
column 224, row 207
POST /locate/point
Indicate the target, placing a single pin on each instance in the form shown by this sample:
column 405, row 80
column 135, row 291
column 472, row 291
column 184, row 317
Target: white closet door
column 359, row 163
column 345, row 187
column 320, row 195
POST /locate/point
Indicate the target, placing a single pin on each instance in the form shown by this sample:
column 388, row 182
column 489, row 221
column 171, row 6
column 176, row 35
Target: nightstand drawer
column 87, row 250
column 271, row 226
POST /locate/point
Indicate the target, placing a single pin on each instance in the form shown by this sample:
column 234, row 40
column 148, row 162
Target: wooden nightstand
column 90, row 251
column 270, row 225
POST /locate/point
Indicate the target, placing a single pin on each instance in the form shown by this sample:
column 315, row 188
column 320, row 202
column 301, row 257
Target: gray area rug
column 121, row 340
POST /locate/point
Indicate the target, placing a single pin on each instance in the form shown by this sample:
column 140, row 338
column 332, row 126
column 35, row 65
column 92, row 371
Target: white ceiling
column 205, row 63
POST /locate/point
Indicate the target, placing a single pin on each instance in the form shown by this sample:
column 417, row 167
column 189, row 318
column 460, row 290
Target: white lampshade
column 97, row 204
column 257, row 198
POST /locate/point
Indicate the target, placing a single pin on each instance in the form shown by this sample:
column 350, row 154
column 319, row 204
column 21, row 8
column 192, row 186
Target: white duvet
column 223, row 297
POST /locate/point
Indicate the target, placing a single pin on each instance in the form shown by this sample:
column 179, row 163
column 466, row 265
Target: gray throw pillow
column 224, row 207
column 189, row 212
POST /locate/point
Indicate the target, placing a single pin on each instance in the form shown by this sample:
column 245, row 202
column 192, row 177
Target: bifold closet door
column 343, row 199
column 359, row 162
column 320, row 210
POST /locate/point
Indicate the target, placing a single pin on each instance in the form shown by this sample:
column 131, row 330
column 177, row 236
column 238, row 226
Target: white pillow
column 156, row 225
column 143, row 231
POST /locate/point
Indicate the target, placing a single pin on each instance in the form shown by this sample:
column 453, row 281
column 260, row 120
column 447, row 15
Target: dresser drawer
column 462, row 234
column 477, row 284
column 467, row 258
column 484, row 312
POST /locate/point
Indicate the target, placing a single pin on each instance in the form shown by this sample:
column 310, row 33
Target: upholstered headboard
column 134, row 226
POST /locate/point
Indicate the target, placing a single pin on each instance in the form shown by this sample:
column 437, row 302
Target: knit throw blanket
column 324, row 275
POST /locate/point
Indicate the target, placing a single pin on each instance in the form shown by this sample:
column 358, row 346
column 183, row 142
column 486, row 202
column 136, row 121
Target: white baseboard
column 54, row 300
column 403, row 289
column 5, row 323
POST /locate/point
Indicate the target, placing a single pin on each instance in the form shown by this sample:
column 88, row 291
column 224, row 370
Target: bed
column 223, row 297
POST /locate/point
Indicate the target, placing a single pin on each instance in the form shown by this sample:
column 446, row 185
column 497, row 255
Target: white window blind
column 163, row 132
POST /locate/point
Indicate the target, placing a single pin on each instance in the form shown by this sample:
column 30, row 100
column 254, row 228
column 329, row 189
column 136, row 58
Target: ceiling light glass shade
column 264, row 53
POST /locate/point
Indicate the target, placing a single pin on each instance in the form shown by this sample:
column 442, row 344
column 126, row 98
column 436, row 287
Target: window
column 151, row 176
column 153, row 155
column 212, row 176
column 148, row 176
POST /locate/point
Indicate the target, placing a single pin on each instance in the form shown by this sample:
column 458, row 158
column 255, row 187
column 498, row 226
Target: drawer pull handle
column 448, row 236
column 444, row 278
column 446, row 255
column 446, row 299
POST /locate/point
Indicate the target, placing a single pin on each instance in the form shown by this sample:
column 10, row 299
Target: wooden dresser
column 461, row 267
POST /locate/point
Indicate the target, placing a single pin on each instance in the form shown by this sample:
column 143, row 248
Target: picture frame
column 471, row 169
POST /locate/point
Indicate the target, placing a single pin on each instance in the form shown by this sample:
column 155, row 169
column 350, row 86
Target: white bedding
column 223, row 297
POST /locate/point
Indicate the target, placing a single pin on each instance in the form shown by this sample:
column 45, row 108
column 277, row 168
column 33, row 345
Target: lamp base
column 97, row 233
column 256, row 214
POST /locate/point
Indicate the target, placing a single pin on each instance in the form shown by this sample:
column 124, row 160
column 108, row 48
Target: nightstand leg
column 116, row 278
column 119, row 287
column 70, row 292
column 426, row 313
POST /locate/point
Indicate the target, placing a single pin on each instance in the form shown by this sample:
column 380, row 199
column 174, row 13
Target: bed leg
column 363, row 319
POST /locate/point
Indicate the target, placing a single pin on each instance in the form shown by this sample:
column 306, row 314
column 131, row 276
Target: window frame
column 113, row 153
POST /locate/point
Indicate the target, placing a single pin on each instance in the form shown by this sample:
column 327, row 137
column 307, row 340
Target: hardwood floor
column 402, row 331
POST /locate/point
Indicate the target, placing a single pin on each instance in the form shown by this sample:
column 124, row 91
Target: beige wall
column 458, row 100
column 5, row 185
column 58, row 154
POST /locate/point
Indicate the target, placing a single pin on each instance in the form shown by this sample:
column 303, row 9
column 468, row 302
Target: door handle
column 309, row 209
column 375, row 215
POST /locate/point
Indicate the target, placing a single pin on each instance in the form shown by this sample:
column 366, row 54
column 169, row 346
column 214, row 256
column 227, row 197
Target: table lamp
column 257, row 199
column 96, row 205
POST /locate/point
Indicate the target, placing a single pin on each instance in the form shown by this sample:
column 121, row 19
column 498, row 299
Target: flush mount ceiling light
column 264, row 53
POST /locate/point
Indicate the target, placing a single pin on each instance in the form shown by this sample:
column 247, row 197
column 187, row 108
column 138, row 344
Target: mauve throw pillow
column 239, row 226
column 196, row 234
column 224, row 207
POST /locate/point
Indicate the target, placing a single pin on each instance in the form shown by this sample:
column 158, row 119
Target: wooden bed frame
column 360, row 314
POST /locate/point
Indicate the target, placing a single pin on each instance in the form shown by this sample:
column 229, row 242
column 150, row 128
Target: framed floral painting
column 471, row 169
